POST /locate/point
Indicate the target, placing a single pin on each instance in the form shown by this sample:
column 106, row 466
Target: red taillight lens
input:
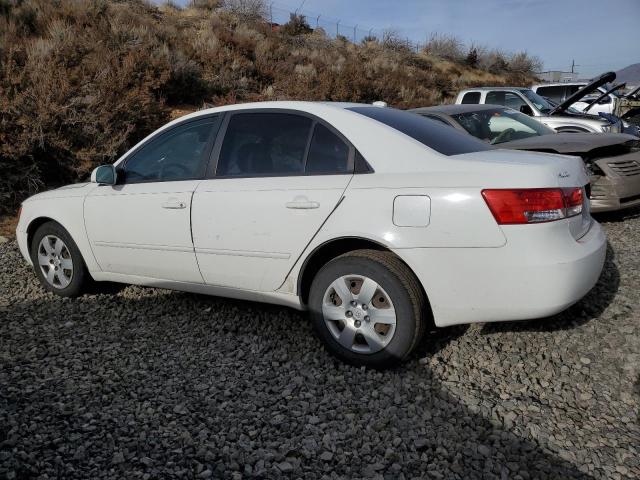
column 533, row 205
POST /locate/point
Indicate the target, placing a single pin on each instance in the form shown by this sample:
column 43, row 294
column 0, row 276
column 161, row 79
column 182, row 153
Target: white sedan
column 378, row 221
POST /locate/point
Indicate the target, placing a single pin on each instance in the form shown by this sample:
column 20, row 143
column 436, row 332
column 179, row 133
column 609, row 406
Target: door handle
column 174, row 204
column 302, row 205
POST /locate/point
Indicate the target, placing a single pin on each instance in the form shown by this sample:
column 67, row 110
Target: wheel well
column 33, row 226
column 327, row 252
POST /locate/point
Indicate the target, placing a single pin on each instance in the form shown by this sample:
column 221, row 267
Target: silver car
column 557, row 117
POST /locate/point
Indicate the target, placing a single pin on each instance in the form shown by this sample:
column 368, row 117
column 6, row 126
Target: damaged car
column 558, row 117
column 608, row 101
column 612, row 160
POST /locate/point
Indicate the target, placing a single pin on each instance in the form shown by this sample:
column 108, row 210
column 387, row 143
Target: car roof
column 493, row 88
column 558, row 84
column 454, row 109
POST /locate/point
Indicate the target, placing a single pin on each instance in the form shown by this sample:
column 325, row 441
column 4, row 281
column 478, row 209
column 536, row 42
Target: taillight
column 533, row 205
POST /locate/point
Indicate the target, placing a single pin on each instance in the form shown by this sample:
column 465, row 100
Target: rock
column 326, row 456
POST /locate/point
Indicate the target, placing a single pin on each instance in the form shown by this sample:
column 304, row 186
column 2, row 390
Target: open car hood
column 569, row 143
column 584, row 91
column 611, row 90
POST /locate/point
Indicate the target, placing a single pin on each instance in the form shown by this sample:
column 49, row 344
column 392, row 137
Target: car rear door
column 142, row 225
column 278, row 176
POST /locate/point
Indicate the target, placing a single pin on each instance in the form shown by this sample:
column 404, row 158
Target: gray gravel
column 146, row 383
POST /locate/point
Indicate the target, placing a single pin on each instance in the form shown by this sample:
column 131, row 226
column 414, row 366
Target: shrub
column 82, row 81
column 297, row 25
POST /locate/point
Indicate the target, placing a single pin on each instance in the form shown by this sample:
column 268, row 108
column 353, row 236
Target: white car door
column 142, row 225
column 279, row 176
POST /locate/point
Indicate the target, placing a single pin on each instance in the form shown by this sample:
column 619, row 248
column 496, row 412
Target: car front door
column 142, row 225
column 278, row 177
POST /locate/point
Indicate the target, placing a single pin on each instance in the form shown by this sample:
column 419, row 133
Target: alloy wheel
column 55, row 262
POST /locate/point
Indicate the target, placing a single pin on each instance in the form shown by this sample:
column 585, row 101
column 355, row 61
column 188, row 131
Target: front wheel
column 368, row 308
column 57, row 261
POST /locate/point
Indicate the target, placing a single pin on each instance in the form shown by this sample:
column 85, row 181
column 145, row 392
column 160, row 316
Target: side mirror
column 104, row 175
column 526, row 109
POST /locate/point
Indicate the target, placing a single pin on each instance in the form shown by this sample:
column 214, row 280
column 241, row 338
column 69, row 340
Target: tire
column 377, row 342
column 69, row 279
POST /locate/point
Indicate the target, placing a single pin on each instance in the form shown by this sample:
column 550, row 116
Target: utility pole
column 318, row 21
column 338, row 28
column 354, row 33
column 271, row 13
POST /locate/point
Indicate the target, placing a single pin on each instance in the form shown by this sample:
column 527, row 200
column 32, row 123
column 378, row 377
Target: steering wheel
column 504, row 136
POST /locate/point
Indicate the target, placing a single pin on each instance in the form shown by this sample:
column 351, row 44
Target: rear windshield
column 435, row 135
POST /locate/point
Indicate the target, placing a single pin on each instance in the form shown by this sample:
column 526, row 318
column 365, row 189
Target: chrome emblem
column 564, row 174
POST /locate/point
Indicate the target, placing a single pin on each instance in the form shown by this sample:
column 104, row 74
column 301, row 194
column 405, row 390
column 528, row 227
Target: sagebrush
column 82, row 80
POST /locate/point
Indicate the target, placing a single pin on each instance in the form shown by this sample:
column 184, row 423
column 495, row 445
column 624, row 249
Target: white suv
column 559, row 92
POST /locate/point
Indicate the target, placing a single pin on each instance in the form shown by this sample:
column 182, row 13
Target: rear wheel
column 57, row 261
column 368, row 308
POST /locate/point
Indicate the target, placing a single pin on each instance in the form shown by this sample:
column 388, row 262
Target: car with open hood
column 608, row 100
column 611, row 159
column 557, row 117
column 376, row 220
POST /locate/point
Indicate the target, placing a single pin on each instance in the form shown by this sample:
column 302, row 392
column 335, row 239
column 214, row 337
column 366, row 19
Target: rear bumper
column 541, row 271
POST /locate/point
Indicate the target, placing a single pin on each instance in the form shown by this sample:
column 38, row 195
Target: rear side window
column 263, row 144
column 327, row 152
column 439, row 137
column 471, row 97
column 555, row 93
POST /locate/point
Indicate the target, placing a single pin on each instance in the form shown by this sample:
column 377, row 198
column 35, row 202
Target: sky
column 600, row 35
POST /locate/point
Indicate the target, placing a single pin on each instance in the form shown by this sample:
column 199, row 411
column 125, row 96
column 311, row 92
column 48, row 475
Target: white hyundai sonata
column 376, row 220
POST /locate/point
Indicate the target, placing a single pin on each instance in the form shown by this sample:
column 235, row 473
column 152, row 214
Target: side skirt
column 276, row 298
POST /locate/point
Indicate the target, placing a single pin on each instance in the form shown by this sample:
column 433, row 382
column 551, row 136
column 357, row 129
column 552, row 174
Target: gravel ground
column 146, row 383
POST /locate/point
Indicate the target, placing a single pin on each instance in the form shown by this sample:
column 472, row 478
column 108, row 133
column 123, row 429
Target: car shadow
column 617, row 216
column 594, row 303
column 207, row 354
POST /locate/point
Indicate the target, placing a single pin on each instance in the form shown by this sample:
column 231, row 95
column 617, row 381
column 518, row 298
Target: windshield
column 539, row 102
column 431, row 133
column 500, row 125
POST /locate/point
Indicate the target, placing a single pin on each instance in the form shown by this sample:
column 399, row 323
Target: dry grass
column 82, row 80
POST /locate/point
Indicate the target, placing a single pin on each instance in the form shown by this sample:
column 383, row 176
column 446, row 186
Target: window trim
column 212, row 174
column 206, row 154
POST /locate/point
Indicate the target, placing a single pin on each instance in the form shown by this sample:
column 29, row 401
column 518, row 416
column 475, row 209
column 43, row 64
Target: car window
column 327, row 152
column 263, row 144
column 440, row 138
column 179, row 154
column 552, row 92
column 506, row 99
column 540, row 103
column 501, row 125
column 471, row 97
